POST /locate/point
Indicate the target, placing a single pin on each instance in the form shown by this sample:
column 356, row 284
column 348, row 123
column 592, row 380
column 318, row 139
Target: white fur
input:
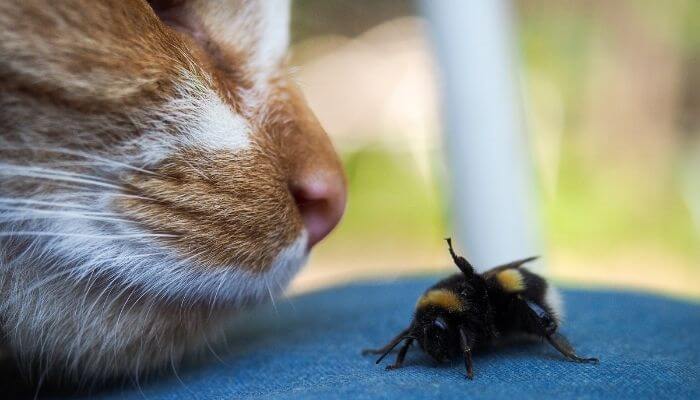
column 46, row 290
column 219, row 128
column 274, row 38
column 130, row 257
column 553, row 299
column 204, row 120
column 196, row 118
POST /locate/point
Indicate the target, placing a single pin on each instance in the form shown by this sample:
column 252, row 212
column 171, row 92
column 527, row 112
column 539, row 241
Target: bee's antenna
column 461, row 262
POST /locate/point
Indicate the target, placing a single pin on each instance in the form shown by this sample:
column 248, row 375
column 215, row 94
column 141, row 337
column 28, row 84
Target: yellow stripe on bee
column 511, row 280
column 441, row 298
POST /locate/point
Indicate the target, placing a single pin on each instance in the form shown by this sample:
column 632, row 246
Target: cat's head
column 161, row 145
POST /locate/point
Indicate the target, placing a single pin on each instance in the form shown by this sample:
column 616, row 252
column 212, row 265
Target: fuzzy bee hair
column 469, row 310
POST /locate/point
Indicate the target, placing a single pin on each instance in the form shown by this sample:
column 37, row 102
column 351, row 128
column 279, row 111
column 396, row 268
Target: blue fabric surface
column 310, row 348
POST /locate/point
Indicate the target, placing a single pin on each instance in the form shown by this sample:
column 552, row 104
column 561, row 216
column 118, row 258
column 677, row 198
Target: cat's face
column 163, row 146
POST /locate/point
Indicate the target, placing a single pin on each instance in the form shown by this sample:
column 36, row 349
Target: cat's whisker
column 16, row 214
column 9, row 217
column 197, row 171
column 102, row 160
column 272, row 298
column 191, row 257
column 51, row 171
column 113, row 194
column 41, row 173
column 10, row 200
column 64, row 212
column 124, row 258
column 215, row 297
column 86, row 236
column 48, row 279
column 99, row 165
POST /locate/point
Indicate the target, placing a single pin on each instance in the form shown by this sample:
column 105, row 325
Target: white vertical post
column 494, row 212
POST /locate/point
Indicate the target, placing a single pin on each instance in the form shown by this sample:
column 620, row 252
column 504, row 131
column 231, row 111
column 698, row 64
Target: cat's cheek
column 224, row 224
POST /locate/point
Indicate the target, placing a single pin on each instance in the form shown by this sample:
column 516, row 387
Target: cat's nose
column 320, row 198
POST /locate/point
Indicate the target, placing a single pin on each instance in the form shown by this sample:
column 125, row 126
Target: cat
column 159, row 170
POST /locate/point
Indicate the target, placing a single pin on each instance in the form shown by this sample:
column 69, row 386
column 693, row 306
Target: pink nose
column 321, row 201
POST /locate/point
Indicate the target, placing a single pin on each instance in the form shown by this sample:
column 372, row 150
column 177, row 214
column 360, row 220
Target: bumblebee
column 468, row 310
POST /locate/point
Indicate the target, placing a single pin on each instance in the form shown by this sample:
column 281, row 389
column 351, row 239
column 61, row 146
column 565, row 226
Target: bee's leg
column 466, row 342
column 400, row 357
column 542, row 323
column 389, row 346
column 559, row 342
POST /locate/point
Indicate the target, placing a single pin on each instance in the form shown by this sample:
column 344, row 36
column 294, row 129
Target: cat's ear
column 253, row 31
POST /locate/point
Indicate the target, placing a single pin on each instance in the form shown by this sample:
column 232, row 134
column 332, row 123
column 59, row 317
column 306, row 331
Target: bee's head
column 436, row 338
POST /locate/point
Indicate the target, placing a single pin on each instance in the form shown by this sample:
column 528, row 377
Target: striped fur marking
column 441, row 298
column 511, row 280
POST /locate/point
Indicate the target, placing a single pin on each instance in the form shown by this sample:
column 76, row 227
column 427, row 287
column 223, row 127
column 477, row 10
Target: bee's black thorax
column 485, row 306
column 468, row 309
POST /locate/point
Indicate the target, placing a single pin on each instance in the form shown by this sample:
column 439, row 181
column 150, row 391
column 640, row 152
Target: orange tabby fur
column 149, row 158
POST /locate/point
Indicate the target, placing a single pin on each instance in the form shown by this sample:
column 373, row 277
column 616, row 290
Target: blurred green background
column 611, row 94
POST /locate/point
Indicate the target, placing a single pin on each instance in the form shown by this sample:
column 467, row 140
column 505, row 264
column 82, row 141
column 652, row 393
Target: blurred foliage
column 611, row 194
column 598, row 206
column 596, row 214
column 389, row 202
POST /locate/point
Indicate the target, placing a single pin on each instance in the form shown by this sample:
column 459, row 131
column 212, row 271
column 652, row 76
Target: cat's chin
column 101, row 330
column 221, row 287
column 233, row 285
column 169, row 279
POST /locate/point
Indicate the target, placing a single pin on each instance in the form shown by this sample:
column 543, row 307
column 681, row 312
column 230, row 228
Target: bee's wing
column 513, row 264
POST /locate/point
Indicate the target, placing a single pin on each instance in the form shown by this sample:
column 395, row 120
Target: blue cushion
column 309, row 347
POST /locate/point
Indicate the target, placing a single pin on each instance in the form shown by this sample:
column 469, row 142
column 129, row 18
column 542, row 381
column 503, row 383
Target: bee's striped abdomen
column 511, row 280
